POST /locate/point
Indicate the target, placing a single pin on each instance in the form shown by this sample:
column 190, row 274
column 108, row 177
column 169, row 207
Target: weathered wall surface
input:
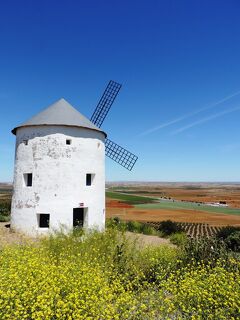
column 59, row 177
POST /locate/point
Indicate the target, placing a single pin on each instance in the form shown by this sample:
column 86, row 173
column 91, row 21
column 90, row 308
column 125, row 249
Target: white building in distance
column 59, row 174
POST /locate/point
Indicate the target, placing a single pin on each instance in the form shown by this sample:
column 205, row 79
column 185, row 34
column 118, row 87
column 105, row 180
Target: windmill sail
column 105, row 103
column 113, row 150
column 120, row 155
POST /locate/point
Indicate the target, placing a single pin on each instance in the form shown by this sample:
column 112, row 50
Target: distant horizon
column 155, row 182
column 184, row 182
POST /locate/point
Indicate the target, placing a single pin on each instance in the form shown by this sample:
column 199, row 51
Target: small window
column 25, row 142
column 89, row 179
column 43, row 220
column 68, row 141
column 28, row 179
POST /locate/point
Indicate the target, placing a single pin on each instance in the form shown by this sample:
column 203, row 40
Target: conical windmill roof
column 59, row 113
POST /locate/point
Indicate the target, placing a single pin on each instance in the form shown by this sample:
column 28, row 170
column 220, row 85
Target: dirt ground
column 9, row 237
column 146, row 240
column 180, row 215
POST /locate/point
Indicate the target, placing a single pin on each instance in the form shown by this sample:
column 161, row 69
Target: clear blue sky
column 173, row 58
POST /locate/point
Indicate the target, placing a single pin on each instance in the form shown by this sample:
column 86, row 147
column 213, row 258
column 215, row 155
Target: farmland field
column 193, row 230
column 131, row 199
column 166, row 204
column 183, row 203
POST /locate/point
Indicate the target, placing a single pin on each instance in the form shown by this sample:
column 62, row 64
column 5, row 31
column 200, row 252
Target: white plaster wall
column 59, row 177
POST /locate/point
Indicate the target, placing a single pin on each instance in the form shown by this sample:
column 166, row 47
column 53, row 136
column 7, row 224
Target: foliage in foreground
column 179, row 238
column 5, row 208
column 106, row 276
column 132, row 226
column 231, row 236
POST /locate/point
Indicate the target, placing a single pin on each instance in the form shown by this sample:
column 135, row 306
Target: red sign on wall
column 81, row 204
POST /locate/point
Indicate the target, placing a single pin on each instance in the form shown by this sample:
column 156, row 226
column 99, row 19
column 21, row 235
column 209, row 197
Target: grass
column 130, row 199
column 170, row 205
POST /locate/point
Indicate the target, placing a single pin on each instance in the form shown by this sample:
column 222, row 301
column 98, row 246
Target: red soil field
column 127, row 212
column 117, row 204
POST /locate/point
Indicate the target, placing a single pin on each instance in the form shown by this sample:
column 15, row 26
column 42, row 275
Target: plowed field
column 182, row 215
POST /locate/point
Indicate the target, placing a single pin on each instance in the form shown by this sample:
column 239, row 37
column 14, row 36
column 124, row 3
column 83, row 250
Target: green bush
column 168, row 227
column 205, row 250
column 134, row 226
column 116, row 223
column 148, row 230
column 139, row 227
column 5, row 209
column 224, row 232
column 4, row 218
column 231, row 237
column 179, row 238
column 5, row 206
column 233, row 241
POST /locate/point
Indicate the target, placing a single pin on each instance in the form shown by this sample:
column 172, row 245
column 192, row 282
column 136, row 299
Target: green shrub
column 4, row 218
column 148, row 230
column 233, row 241
column 179, row 238
column 168, row 227
column 5, row 209
column 224, row 232
column 139, row 227
column 231, row 237
column 116, row 223
column 134, row 226
column 206, row 250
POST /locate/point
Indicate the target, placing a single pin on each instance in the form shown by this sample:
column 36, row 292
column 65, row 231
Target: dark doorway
column 78, row 217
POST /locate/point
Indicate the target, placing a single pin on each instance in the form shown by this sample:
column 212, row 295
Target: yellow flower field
column 104, row 276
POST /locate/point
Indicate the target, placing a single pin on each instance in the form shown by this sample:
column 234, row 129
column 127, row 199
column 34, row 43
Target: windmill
column 59, row 172
column 114, row 151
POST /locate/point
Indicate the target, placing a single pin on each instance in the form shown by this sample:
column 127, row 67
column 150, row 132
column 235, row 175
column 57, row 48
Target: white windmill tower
column 59, row 176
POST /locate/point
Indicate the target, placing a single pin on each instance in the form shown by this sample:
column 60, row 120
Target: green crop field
column 130, row 199
column 170, row 205
column 154, row 203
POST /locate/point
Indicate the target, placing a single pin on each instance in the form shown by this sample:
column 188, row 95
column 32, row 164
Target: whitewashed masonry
column 59, row 175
